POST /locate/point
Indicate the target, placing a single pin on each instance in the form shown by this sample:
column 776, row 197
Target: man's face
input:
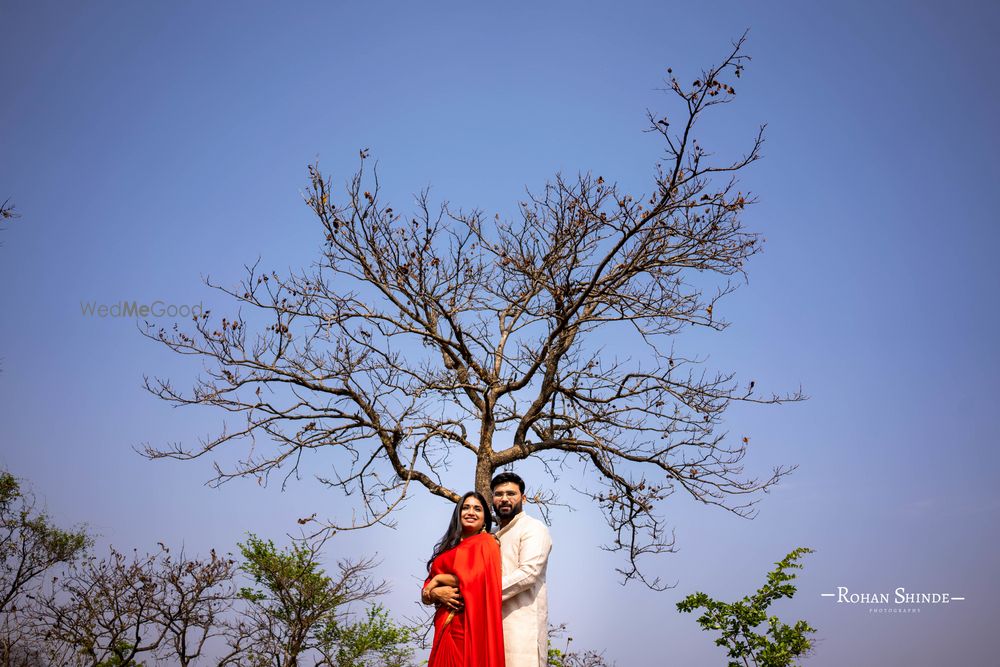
column 507, row 500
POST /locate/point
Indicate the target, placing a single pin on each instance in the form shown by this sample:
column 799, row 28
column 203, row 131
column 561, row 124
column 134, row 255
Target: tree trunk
column 484, row 473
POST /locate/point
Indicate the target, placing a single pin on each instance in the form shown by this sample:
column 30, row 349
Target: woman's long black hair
column 453, row 535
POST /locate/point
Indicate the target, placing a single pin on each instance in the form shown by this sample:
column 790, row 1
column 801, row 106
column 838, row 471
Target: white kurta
column 524, row 549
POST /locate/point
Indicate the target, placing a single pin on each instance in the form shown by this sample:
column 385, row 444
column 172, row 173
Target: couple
column 490, row 588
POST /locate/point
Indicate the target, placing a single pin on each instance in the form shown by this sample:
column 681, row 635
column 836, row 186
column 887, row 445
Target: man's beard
column 509, row 511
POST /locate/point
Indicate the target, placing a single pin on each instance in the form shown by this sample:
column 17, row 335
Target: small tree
column 30, row 546
column 122, row 609
column 105, row 610
column 780, row 644
column 29, row 543
column 296, row 608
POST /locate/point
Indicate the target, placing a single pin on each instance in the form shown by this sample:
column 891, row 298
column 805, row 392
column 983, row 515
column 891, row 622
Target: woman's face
column 472, row 515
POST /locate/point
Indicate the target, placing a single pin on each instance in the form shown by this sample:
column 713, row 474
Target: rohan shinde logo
column 898, row 601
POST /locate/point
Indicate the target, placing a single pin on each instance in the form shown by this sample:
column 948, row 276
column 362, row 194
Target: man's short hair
column 506, row 477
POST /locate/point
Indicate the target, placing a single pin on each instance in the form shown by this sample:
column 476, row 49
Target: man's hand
column 447, row 596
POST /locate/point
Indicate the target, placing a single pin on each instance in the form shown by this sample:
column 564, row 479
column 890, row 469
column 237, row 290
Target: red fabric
column 474, row 637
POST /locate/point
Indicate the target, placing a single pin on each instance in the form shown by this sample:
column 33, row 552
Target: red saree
column 474, row 636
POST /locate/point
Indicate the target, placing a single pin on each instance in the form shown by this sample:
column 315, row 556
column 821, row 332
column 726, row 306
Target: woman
column 468, row 557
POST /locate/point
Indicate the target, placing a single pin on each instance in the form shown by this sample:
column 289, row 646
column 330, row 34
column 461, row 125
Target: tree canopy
column 440, row 334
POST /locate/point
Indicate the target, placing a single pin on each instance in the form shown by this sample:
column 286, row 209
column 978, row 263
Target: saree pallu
column 472, row 637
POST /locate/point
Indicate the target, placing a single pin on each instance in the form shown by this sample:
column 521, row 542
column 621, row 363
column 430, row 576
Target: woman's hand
column 448, row 597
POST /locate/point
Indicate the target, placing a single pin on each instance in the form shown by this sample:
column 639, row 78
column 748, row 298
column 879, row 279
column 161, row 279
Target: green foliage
column 29, row 543
column 304, row 609
column 292, row 580
column 9, row 488
column 121, row 648
column 780, row 644
column 374, row 641
column 293, row 594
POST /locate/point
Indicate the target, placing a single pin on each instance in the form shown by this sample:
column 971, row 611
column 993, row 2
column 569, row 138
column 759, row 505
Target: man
column 524, row 550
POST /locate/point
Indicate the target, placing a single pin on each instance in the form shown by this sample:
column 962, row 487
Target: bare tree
column 193, row 605
column 420, row 339
column 105, row 610
column 117, row 609
column 125, row 610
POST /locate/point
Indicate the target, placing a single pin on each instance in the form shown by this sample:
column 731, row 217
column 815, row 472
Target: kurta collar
column 509, row 525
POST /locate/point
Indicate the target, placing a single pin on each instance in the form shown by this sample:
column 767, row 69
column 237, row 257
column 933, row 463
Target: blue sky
column 149, row 145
